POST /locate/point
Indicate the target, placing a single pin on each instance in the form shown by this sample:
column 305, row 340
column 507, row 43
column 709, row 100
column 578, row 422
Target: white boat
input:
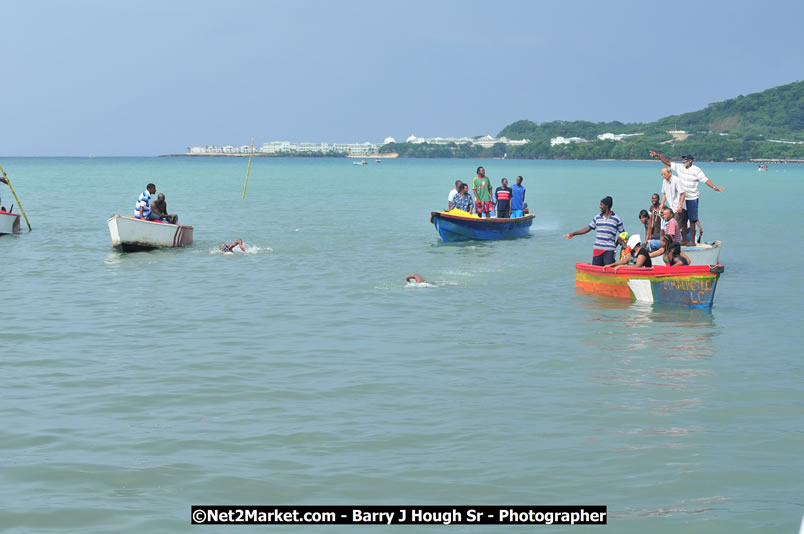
column 703, row 253
column 9, row 223
column 130, row 234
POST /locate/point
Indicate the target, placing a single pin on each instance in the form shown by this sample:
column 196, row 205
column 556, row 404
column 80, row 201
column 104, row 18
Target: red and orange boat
column 690, row 285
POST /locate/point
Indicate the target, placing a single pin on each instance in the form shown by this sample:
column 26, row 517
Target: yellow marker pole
column 249, row 168
column 8, row 182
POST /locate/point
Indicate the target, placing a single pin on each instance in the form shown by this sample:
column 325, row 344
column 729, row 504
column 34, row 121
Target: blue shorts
column 692, row 210
column 604, row 259
column 654, row 244
column 517, row 213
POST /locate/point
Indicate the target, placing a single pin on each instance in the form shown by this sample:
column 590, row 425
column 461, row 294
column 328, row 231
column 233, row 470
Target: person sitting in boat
column 608, row 225
column 159, row 207
column 502, row 196
column 452, row 194
column 671, row 227
column 463, row 201
column 675, row 257
column 636, row 252
column 142, row 210
column 230, row 248
column 666, row 252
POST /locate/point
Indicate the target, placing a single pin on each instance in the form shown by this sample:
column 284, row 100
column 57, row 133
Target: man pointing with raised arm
column 690, row 176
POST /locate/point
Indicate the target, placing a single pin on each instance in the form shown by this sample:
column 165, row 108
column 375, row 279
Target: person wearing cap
column 608, row 226
column 690, row 176
column 635, row 250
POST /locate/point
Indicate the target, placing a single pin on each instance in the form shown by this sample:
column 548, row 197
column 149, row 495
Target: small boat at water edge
column 9, row 222
column 130, row 234
column 689, row 285
column 364, row 162
column 458, row 225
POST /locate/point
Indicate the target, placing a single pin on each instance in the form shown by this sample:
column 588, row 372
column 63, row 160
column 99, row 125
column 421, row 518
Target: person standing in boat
column 482, row 188
column 608, row 226
column 673, row 196
column 690, row 176
column 503, row 197
column 159, row 207
column 142, row 210
column 463, row 201
column 518, row 199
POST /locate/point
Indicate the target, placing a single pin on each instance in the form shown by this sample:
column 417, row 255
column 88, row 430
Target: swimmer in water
column 414, row 279
column 230, row 248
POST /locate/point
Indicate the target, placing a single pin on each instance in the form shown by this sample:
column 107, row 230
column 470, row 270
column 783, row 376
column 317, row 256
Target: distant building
column 615, row 137
column 350, row 149
column 566, row 140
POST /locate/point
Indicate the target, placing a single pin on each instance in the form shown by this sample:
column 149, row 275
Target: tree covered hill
column 769, row 124
column 742, row 128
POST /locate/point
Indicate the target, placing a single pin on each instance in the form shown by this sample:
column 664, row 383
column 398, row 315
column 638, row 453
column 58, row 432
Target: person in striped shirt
column 608, row 227
column 142, row 210
column 503, row 197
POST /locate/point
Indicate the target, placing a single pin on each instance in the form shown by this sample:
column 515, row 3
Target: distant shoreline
column 281, row 155
column 397, row 156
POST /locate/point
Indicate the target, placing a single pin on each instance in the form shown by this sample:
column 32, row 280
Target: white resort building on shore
column 350, row 149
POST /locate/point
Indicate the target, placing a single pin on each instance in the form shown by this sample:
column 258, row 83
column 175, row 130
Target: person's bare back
column 159, row 207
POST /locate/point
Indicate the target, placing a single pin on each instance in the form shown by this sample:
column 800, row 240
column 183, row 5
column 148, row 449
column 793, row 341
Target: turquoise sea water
column 306, row 372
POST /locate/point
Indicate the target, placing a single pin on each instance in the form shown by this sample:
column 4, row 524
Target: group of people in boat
column 153, row 211
column 156, row 210
column 665, row 222
column 504, row 202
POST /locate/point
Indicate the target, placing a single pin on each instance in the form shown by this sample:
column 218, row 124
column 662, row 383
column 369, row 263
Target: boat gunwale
column 495, row 220
column 150, row 222
column 657, row 271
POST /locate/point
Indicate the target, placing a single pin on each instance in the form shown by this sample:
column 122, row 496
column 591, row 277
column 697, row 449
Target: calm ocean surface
column 306, row 372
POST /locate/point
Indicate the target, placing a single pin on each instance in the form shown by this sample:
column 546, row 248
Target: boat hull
column 692, row 285
column 703, row 254
column 130, row 234
column 9, row 223
column 453, row 228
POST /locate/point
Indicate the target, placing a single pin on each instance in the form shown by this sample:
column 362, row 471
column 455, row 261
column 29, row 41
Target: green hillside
column 769, row 124
column 741, row 128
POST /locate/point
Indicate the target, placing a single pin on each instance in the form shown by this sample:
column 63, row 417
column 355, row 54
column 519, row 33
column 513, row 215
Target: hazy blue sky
column 153, row 77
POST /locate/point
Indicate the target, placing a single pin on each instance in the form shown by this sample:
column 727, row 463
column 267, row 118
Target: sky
column 144, row 78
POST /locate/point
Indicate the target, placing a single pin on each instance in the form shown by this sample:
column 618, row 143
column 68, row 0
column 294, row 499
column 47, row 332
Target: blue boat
column 465, row 227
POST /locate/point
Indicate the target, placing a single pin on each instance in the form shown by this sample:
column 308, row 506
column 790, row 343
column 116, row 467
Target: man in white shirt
column 690, row 176
column 451, row 196
column 673, row 196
